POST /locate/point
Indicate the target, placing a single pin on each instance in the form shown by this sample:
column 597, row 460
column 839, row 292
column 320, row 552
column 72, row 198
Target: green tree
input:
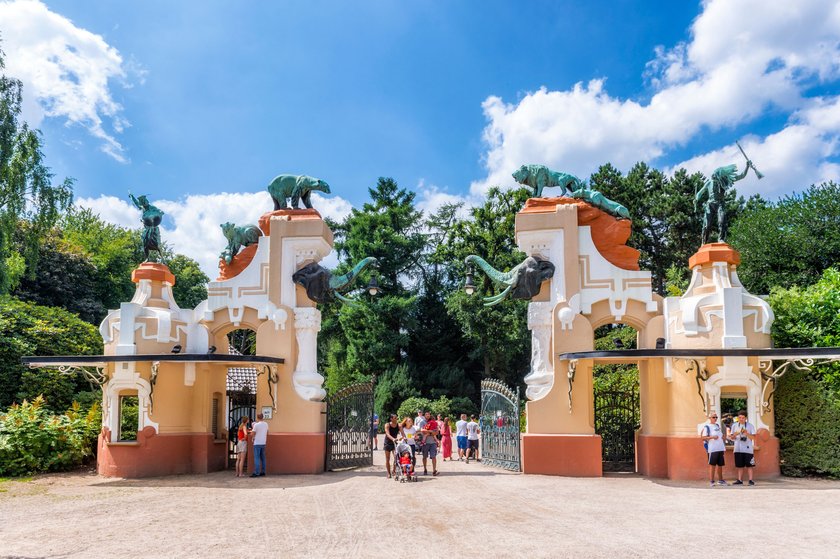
column 789, row 242
column 666, row 224
column 374, row 333
column 26, row 189
column 30, row 329
column 498, row 336
column 66, row 278
column 115, row 252
column 190, row 282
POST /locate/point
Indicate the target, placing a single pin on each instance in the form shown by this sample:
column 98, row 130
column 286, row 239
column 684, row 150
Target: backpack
column 707, row 432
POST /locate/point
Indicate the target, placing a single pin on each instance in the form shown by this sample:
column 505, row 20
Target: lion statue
column 296, row 187
column 238, row 237
column 539, row 177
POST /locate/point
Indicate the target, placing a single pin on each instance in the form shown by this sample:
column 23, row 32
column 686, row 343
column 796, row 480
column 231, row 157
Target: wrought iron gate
column 349, row 423
column 616, row 420
column 500, row 425
column 240, row 403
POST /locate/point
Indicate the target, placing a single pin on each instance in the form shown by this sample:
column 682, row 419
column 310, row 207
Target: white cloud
column 191, row 224
column 745, row 57
column 66, row 71
column 431, row 198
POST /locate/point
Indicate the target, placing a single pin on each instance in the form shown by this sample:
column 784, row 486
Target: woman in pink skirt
column 446, row 439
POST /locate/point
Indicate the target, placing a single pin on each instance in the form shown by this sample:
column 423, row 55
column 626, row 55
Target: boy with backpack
column 713, row 439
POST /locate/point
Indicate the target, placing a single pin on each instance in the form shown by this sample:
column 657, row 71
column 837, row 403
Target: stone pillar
column 715, row 312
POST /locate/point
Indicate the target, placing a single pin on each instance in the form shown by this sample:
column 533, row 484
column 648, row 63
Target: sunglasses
column 713, row 417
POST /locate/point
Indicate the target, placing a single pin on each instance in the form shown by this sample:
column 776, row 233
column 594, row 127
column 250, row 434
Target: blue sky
column 187, row 100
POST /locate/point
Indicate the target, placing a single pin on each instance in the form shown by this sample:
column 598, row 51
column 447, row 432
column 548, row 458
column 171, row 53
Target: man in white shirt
column 461, row 436
column 420, row 420
column 714, row 435
column 743, row 433
column 260, row 433
column 472, row 438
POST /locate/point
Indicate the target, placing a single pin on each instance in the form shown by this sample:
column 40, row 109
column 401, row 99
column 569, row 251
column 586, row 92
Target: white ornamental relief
column 307, row 381
column 541, row 378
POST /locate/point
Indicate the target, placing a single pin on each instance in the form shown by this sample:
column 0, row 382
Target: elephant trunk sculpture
column 322, row 285
column 521, row 282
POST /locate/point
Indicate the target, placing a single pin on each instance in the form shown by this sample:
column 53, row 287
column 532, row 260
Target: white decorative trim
column 296, row 250
column 602, row 280
column 541, row 378
column 125, row 377
column 736, row 372
column 307, row 382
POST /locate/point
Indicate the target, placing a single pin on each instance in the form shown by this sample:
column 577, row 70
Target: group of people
column 259, row 432
column 425, row 434
column 742, row 434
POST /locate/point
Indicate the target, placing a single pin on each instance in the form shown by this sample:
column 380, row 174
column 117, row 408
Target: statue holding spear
column 714, row 190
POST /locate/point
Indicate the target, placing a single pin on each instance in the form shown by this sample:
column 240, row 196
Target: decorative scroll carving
column 772, row 375
column 541, row 378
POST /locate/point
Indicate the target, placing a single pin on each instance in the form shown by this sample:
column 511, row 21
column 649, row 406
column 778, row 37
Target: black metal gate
column 500, row 425
column 616, row 420
column 240, row 403
column 349, row 423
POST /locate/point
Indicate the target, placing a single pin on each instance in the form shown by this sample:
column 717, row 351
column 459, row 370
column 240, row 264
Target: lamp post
column 373, row 286
column 469, row 286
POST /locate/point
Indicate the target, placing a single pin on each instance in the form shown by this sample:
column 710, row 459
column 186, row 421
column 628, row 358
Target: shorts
column 744, row 460
column 473, row 444
column 430, row 450
column 462, row 443
column 388, row 445
column 241, row 446
column 716, row 458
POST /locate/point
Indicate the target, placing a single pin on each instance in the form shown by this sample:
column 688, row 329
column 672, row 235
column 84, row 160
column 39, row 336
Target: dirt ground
column 468, row 511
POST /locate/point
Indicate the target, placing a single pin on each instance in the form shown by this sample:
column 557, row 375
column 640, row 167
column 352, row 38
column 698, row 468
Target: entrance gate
column 349, row 423
column 616, row 420
column 240, row 402
column 500, row 425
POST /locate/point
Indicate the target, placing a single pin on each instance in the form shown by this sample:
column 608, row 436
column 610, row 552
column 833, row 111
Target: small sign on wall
column 266, row 412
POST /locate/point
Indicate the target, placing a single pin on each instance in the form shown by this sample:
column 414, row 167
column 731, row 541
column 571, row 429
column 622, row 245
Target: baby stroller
column 404, row 463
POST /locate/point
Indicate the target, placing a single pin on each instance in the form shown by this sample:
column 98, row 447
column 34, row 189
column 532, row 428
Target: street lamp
column 469, row 286
column 373, row 286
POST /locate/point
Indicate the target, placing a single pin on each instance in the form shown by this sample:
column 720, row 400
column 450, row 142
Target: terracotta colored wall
column 292, row 453
column 562, row 455
column 685, row 458
column 160, row 455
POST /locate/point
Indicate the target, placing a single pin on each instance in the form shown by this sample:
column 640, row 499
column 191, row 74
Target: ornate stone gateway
column 616, row 421
column 500, row 425
column 349, row 423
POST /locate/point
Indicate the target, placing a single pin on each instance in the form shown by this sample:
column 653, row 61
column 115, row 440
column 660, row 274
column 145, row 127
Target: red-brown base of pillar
column 292, row 453
column 562, row 455
column 685, row 458
column 160, row 455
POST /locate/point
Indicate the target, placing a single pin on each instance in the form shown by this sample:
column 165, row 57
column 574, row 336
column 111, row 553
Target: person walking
column 392, row 431
column 473, row 431
column 241, row 446
column 446, row 439
column 409, row 431
column 714, row 437
column 461, row 436
column 429, row 449
column 420, row 420
column 260, row 431
column 743, row 433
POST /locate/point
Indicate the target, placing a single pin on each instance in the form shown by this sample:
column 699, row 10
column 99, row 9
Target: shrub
column 410, row 406
column 808, row 426
column 32, row 439
column 460, row 405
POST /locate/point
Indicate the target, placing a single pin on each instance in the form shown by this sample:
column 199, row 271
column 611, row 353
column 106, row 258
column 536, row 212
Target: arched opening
column 241, row 387
column 616, row 400
column 129, row 414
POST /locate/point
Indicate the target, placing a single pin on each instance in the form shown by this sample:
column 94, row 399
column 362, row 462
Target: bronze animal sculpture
column 521, row 282
column 322, row 285
column 296, row 187
column 538, row 177
column 238, row 238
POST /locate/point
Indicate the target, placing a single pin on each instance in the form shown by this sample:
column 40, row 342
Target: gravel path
column 469, row 511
